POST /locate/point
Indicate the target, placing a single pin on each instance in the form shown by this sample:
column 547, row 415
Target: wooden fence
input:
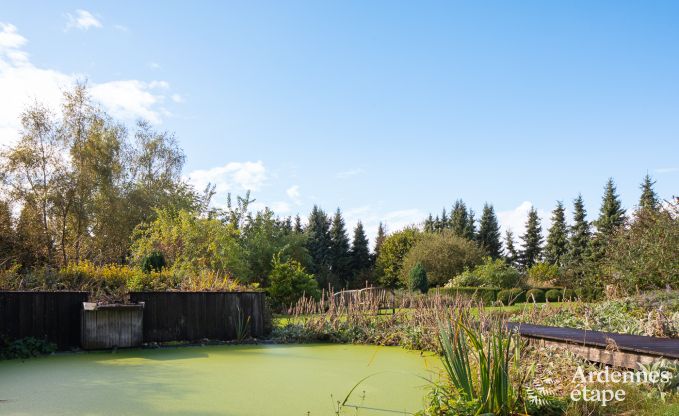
column 173, row 316
column 108, row 326
column 52, row 316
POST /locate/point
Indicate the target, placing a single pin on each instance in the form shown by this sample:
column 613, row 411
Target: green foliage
column 556, row 249
column 491, row 273
column 543, row 272
column 462, row 221
column 580, row 235
column 488, row 295
column 511, row 296
column 340, row 260
column 649, row 199
column 192, row 244
column 589, row 294
column 289, row 282
column 392, row 253
column 153, row 262
column 488, row 236
column 359, row 254
column 319, row 244
column 535, row 295
column 511, row 255
column 646, row 254
column 417, row 279
column 554, row 295
column 569, row 294
column 24, row 348
column 531, row 251
column 611, row 214
column 443, row 255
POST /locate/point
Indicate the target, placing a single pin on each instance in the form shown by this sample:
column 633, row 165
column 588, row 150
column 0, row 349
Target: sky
column 388, row 110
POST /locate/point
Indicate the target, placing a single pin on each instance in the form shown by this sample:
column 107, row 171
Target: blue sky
column 387, row 110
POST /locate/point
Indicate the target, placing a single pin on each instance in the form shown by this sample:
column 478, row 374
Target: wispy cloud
column 371, row 217
column 666, row 170
column 82, row 20
column 154, row 65
column 21, row 83
column 231, row 177
column 516, row 218
column 294, row 194
column 349, row 173
column 121, row 28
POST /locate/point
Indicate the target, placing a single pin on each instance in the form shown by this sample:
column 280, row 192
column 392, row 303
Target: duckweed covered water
column 219, row 380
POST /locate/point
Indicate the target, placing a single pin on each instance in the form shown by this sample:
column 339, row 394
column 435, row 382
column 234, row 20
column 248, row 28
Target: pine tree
column 557, row 237
column 511, row 256
column 531, row 251
column 611, row 214
column 379, row 239
column 470, row 229
column 429, row 224
column 443, row 224
column 360, row 253
column 580, row 234
column 488, row 236
column 649, row 199
column 319, row 243
column 340, row 259
column 298, row 229
column 459, row 222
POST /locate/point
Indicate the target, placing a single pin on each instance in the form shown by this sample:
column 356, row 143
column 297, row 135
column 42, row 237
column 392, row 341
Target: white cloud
column 22, row 83
column 121, row 28
column 82, row 20
column 349, row 173
column 177, row 98
column 232, row 177
column 294, row 194
column 371, row 217
column 515, row 219
column 154, row 65
column 666, row 170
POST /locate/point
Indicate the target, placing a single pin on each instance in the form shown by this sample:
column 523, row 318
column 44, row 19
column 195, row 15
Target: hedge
column 511, row 296
column 535, row 295
column 487, row 294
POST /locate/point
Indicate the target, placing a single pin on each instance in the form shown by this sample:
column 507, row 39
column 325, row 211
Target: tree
column 391, row 254
column 298, row 229
column 470, row 229
column 531, row 251
column 611, row 214
column 459, row 221
column 7, row 238
column 429, row 225
column 360, row 255
column 379, row 239
column 556, row 249
column 488, row 236
column 340, row 262
column 511, row 256
column 417, row 279
column 319, row 245
column 443, row 255
column 580, row 234
column 289, row 282
column 648, row 199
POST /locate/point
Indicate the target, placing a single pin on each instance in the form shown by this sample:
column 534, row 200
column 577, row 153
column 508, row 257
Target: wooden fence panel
column 52, row 316
column 174, row 316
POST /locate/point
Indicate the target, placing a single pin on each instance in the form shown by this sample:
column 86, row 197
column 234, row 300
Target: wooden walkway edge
column 620, row 350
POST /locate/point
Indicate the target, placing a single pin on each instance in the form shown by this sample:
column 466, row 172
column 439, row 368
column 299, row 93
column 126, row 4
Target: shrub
column 289, row 282
column 535, row 295
column 24, row 348
column 466, row 279
column 569, row 294
column 589, row 294
column 554, row 295
column 497, row 273
column 392, row 252
column 417, row 279
column 153, row 262
column 543, row 272
column 511, row 296
column 486, row 294
column 443, row 255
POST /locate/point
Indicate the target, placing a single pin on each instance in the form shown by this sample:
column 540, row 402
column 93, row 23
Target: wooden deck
column 604, row 347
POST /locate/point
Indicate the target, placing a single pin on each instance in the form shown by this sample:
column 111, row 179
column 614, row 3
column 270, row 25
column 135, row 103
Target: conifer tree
column 580, row 234
column 557, row 237
column 459, row 221
column 649, row 199
column 297, row 228
column 379, row 239
column 429, row 224
column 340, row 259
column 470, row 229
column 443, row 224
column 360, row 253
column 488, row 236
column 319, row 243
column 531, row 252
column 611, row 214
column 511, row 256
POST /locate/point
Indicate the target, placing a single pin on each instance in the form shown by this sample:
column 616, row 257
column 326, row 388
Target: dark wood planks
column 112, row 326
column 174, row 316
column 52, row 316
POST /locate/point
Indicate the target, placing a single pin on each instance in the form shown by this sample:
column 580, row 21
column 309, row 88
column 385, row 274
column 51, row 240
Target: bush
column 443, row 255
column 153, row 262
column 488, row 295
column 395, row 247
column 569, row 294
column 417, row 279
column 24, row 348
column 466, row 279
column 492, row 273
column 535, row 295
column 289, row 282
column 543, row 272
column 589, row 294
column 511, row 296
column 554, row 295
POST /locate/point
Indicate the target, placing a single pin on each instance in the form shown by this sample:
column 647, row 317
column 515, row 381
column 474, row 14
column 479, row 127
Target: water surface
column 218, row 380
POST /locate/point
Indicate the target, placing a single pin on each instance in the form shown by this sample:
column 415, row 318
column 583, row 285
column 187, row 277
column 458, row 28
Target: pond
column 296, row 379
